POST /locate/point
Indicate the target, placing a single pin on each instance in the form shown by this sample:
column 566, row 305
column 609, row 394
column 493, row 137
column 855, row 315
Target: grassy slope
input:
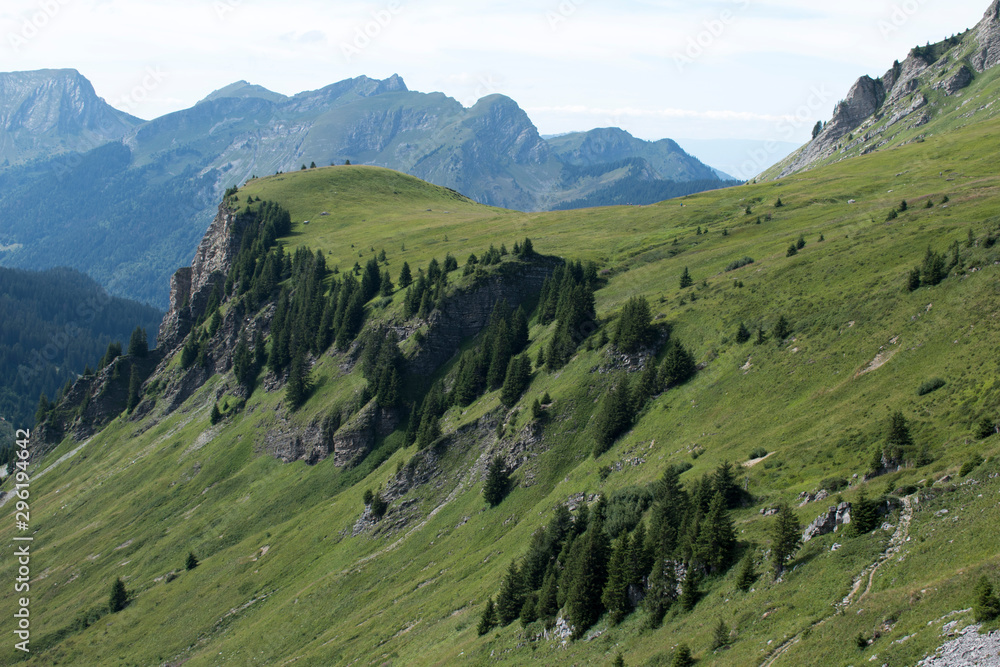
column 282, row 579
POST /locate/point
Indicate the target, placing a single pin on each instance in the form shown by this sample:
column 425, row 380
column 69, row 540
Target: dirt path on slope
column 896, row 543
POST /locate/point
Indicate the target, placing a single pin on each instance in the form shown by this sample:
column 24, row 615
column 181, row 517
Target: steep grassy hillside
column 293, row 569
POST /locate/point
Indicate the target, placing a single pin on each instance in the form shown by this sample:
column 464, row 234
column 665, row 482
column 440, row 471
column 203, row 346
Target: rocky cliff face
column 468, row 312
column 191, row 287
column 988, row 39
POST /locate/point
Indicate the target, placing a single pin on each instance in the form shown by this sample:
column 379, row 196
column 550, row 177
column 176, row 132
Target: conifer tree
column 497, row 482
column 782, row 329
column 614, row 416
column 678, row 366
column 510, row 599
column 215, row 417
column 690, row 593
column 717, row 538
column 386, row 286
column 488, row 620
column 786, row 537
column 299, row 384
column 516, row 381
column 682, row 657
column 134, row 385
column 119, row 597
column 615, row 596
column 633, row 330
column 986, row 606
column 662, row 590
column 747, row 573
column 742, row 334
column 724, row 482
column 686, row 279
column 191, row 562
column 405, row 277
column 137, row 344
column 720, row 636
column 864, row 515
column 588, row 576
column 548, row 605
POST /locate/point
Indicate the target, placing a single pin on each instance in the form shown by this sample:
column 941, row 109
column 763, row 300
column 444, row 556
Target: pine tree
column 510, row 599
column 678, row 366
column 682, row 657
column 191, row 562
column 913, row 280
column 724, row 482
column 588, row 576
column 690, row 594
column 134, row 386
column 786, row 537
column 686, row 280
column 742, row 334
column 297, row 389
column 548, row 600
column 633, row 330
column 386, row 287
column 497, row 482
column 800, row 243
column 516, row 381
column 405, row 277
column 216, row 416
column 662, row 590
column 782, row 329
column 747, row 573
column 614, row 416
column 717, row 538
column 898, row 439
column 619, row 660
column 720, row 636
column 488, row 620
column 137, row 344
column 529, row 610
column 986, row 606
column 864, row 515
column 615, row 596
column 792, row 250
column 119, row 597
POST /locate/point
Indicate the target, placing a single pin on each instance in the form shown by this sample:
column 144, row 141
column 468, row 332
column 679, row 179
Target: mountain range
column 126, row 201
column 387, row 424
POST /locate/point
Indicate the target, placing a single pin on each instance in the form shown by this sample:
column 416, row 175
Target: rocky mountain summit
column 54, row 111
column 926, row 86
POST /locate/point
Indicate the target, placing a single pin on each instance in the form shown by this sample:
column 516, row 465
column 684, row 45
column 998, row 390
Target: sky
column 763, row 70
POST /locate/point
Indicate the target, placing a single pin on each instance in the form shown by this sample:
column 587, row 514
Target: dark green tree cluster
column 490, row 364
column 382, row 365
column 260, row 262
column 634, row 328
column 247, row 361
column 567, row 298
column 427, row 292
column 584, row 567
column 864, row 515
column 934, row 269
column 622, row 403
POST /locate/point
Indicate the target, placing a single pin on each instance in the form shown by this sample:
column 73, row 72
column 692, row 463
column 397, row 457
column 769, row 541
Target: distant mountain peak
column 51, row 111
